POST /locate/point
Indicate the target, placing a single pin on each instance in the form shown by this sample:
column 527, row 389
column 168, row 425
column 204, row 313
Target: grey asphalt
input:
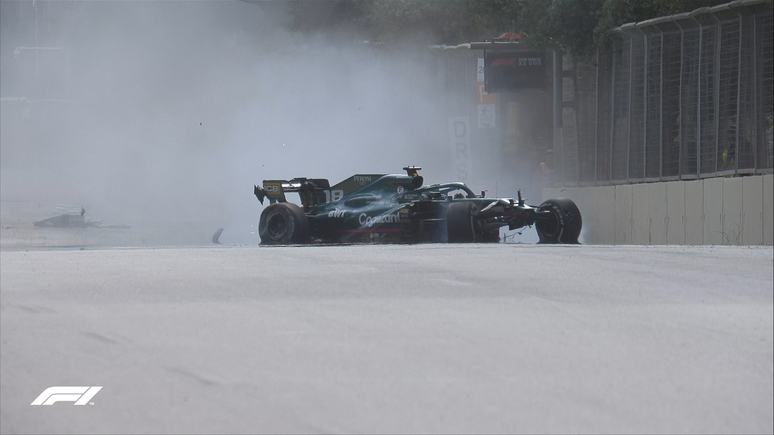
column 390, row 339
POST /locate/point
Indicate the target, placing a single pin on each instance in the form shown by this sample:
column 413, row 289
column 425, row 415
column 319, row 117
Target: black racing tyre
column 283, row 223
column 564, row 223
column 460, row 225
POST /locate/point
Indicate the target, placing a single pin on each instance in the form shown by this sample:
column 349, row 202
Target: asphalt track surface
column 390, row 339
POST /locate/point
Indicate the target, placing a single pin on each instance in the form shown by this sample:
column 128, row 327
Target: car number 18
column 333, row 195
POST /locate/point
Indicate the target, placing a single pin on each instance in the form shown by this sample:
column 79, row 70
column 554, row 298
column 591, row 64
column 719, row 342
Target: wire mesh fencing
column 681, row 97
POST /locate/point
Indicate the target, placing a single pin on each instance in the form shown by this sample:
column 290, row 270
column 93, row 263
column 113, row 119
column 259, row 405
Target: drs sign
column 459, row 139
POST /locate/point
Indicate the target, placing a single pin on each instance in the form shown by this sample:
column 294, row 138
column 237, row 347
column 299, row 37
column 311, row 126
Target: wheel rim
column 550, row 227
column 277, row 226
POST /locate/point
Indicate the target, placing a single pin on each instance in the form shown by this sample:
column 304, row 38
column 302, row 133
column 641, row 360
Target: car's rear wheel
column 559, row 221
column 460, row 223
column 283, row 223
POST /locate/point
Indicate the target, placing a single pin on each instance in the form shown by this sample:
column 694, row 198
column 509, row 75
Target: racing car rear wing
column 315, row 191
column 308, row 188
column 312, row 191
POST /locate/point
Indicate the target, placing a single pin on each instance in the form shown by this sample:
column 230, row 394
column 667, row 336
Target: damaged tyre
column 283, row 223
column 559, row 221
column 460, row 224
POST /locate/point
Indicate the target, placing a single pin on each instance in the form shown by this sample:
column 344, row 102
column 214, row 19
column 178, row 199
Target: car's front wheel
column 283, row 223
column 559, row 221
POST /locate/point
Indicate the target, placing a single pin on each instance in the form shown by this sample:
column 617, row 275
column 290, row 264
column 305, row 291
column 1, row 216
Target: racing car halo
column 396, row 208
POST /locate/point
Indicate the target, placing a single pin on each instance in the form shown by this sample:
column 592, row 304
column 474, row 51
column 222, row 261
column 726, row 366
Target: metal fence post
column 661, row 115
column 630, row 104
column 698, row 96
column 681, row 103
column 644, row 103
column 596, row 119
column 612, row 116
column 716, row 92
column 755, row 94
column 738, row 96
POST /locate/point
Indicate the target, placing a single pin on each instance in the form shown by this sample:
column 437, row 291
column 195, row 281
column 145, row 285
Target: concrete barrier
column 768, row 209
column 659, row 217
column 676, row 219
column 694, row 211
column 752, row 219
column 714, row 211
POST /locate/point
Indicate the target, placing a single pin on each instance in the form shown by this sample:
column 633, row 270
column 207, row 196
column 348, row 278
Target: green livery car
column 397, row 208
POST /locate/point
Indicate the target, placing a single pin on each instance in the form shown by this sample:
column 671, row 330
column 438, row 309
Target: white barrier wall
column 714, row 211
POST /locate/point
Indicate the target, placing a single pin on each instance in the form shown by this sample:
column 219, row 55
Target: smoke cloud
column 171, row 111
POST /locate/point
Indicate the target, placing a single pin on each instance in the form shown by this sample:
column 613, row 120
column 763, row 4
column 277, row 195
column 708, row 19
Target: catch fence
column 681, row 97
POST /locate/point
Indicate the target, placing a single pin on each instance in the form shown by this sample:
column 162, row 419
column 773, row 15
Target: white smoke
column 175, row 109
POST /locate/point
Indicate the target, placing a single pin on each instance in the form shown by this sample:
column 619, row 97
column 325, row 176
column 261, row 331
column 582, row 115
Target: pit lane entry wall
column 712, row 211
